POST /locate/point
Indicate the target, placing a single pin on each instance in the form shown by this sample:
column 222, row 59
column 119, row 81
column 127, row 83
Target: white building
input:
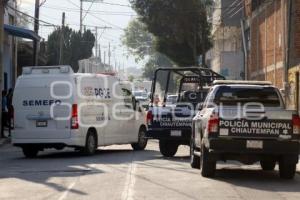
column 94, row 65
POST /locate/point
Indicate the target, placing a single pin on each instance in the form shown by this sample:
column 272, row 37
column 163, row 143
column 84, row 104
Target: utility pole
column 104, row 57
column 96, row 41
column 96, row 37
column 100, row 55
column 109, row 54
column 61, row 44
column 81, row 7
column 36, row 30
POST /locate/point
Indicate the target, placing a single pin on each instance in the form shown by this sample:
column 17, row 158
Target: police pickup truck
column 245, row 121
column 171, row 124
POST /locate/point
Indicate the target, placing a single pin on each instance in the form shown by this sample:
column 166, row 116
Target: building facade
column 272, row 40
column 226, row 56
column 9, row 49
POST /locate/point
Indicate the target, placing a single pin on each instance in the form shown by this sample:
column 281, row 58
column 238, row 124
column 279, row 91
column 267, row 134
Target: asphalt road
column 117, row 172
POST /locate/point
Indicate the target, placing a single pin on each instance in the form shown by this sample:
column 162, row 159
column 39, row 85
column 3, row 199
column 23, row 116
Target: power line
column 27, row 15
column 88, row 10
column 115, row 4
column 98, row 17
column 100, row 12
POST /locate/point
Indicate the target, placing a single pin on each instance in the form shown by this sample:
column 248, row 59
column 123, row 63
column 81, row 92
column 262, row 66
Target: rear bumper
column 270, row 147
column 73, row 140
column 165, row 134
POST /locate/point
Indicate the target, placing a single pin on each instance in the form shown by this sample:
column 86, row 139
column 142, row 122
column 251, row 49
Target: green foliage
column 130, row 78
column 180, row 27
column 155, row 61
column 138, row 40
column 76, row 46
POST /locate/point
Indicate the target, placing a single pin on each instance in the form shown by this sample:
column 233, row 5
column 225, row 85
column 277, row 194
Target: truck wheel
column 91, row 144
column 167, row 148
column 287, row 169
column 208, row 166
column 142, row 141
column 268, row 165
column 30, row 152
column 194, row 159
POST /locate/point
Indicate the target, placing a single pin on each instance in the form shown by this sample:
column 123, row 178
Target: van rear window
column 267, row 96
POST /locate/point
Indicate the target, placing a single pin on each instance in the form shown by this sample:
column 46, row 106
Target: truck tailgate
column 267, row 124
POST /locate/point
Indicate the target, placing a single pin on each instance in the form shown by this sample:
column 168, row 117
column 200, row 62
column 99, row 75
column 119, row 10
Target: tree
column 138, row 40
column 180, row 27
column 130, row 78
column 155, row 61
column 76, row 46
column 140, row 44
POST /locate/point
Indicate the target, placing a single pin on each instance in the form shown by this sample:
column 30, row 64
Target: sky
column 115, row 14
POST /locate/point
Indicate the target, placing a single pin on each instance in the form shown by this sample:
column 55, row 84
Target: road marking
column 65, row 194
column 128, row 191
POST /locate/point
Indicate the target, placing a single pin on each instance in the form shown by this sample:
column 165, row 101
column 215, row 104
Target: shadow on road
column 258, row 180
column 66, row 164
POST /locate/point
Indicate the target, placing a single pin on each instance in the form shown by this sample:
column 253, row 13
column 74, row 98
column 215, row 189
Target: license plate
column 176, row 133
column 41, row 123
column 254, row 144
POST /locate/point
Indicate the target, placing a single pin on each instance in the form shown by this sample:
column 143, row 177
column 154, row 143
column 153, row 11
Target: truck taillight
column 296, row 124
column 213, row 124
column 74, row 119
column 149, row 118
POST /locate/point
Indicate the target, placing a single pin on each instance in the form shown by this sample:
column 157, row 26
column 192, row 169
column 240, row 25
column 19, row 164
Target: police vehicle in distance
column 245, row 121
column 56, row 108
column 171, row 125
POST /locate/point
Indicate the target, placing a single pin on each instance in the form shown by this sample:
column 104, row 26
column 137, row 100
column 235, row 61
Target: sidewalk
column 4, row 141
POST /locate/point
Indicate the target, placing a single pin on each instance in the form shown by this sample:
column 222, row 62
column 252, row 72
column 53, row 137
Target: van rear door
column 40, row 114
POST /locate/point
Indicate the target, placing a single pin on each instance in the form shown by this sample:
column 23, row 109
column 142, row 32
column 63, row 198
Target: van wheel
column 268, row 165
column 142, row 141
column 208, row 166
column 168, row 148
column 30, row 152
column 91, row 144
column 194, row 159
column 287, row 169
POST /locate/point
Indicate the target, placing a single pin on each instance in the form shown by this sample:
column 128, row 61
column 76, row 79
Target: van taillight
column 74, row 119
column 213, row 124
column 296, row 124
column 149, row 118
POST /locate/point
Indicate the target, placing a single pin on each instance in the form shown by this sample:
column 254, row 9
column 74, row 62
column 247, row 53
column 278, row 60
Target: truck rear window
column 267, row 96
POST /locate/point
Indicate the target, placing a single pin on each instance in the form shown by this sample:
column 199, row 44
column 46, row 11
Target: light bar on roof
column 230, row 82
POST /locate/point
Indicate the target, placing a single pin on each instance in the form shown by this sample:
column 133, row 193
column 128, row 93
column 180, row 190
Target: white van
column 56, row 108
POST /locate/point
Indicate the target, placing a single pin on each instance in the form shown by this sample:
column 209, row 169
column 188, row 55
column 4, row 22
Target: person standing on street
column 4, row 112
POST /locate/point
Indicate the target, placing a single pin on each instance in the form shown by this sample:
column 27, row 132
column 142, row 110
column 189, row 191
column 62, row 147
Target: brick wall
column 266, row 52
